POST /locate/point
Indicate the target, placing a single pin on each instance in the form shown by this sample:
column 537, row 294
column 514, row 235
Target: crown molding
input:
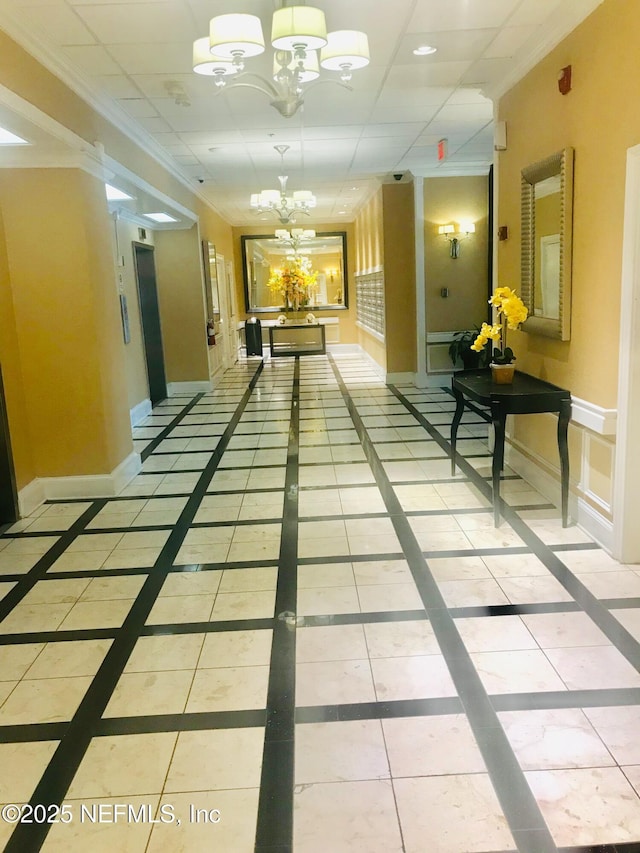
column 566, row 18
column 63, row 69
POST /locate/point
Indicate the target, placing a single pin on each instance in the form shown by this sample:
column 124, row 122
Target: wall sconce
column 454, row 233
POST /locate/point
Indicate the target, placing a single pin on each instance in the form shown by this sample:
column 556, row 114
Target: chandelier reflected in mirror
column 285, row 207
column 294, row 239
column 297, row 34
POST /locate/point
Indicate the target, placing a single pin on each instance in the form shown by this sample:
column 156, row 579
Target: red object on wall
column 564, row 80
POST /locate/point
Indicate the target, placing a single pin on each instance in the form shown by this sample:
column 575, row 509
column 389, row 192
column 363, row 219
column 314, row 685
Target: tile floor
column 296, row 631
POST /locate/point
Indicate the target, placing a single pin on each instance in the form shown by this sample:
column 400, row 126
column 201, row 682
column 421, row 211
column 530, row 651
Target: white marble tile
column 218, row 759
column 108, row 834
column 563, row 630
column 534, row 589
column 334, row 683
column 229, row 688
column 27, row 761
column 587, row 806
column 321, row 575
column 516, row 672
column 328, row 601
column 43, row 700
column 593, row 668
column 363, row 818
column 618, row 728
column 417, row 677
column 377, row 598
column 463, row 814
column 431, row 746
column 174, row 651
column 554, row 738
column 235, row 830
column 340, row 752
column 620, row 584
column 124, row 765
column 470, row 593
column 495, row 634
column 334, row 642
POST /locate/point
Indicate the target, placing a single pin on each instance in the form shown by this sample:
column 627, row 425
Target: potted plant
column 460, row 349
column 511, row 313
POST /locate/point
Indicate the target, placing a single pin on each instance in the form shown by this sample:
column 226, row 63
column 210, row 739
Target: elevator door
column 8, row 492
column 150, row 317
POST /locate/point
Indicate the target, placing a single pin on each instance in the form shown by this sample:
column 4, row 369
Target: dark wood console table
column 527, row 395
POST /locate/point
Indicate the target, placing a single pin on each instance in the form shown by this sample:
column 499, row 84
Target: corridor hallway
column 296, row 632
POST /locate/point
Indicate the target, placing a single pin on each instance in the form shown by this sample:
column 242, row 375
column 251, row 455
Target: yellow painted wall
column 596, row 118
column 182, row 305
column 67, row 323
column 12, row 375
column 466, row 277
column 399, row 276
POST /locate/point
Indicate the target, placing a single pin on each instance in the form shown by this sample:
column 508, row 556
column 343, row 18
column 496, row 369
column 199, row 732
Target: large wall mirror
column 327, row 253
column 547, row 214
column 212, row 296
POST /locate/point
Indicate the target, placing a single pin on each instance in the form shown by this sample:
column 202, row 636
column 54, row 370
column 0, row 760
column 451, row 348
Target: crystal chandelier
column 286, row 207
column 297, row 34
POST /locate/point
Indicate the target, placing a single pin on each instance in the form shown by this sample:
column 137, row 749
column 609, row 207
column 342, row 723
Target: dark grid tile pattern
column 296, row 616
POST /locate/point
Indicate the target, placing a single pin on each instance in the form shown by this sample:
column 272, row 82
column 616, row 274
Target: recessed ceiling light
column 114, row 194
column 160, row 217
column 8, row 138
column 424, row 50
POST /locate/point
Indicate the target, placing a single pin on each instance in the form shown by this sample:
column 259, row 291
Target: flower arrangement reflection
column 511, row 312
column 295, row 282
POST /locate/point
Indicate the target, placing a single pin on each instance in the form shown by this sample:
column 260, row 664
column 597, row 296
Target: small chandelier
column 297, row 34
column 295, row 238
column 286, row 207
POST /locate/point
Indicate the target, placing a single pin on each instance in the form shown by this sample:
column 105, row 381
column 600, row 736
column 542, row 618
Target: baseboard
column 598, row 527
column 89, row 486
column 344, row 349
column 139, row 412
column 407, row 378
column 30, row 498
column 181, row 389
column 586, row 516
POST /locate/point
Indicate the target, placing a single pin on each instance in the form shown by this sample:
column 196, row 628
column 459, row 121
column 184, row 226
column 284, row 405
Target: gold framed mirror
column 547, row 216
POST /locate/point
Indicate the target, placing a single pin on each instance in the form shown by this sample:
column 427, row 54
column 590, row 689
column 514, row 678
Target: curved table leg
column 564, row 416
column 457, row 417
column 498, row 419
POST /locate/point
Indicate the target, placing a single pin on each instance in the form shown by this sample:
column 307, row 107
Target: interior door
column 150, row 315
column 8, row 492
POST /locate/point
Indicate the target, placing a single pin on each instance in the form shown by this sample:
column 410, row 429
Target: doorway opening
column 145, row 267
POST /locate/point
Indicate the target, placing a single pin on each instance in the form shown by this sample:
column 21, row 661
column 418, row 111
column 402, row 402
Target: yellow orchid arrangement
column 295, row 282
column 511, row 312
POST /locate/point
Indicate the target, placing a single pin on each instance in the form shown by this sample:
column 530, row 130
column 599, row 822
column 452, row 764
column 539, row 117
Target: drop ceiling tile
column 154, row 125
column 147, row 58
column 58, row 24
column 148, row 23
column 508, row 42
column 468, row 95
column 195, row 85
column 486, row 71
column 460, row 15
column 534, row 12
column 435, row 75
column 138, row 107
column 452, row 46
column 117, row 86
column 330, row 132
column 466, row 112
column 92, row 60
column 407, row 130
